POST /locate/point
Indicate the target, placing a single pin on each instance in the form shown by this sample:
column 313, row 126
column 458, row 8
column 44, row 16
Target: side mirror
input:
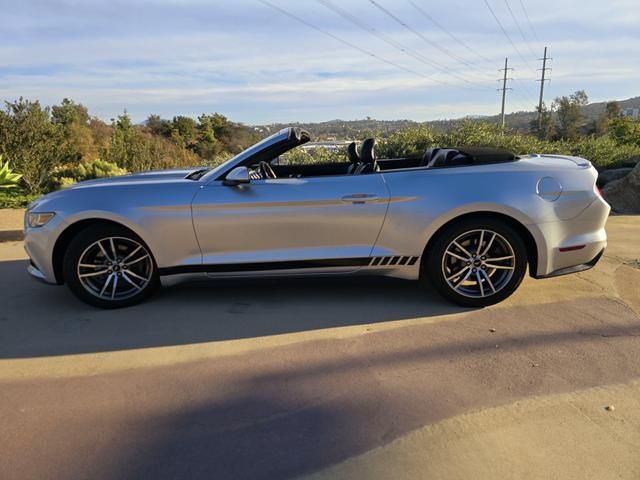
column 237, row 176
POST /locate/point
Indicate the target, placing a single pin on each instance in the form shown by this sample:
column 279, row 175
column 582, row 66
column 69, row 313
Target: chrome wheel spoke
column 132, row 254
column 486, row 250
column 131, row 282
column 113, row 249
column 479, row 280
column 94, row 274
column 459, row 284
column 104, row 252
column 486, row 276
column 456, row 256
column 500, row 267
column 138, row 260
column 115, row 286
column 500, row 259
column 464, row 250
column 135, row 275
column 458, row 273
column 106, row 284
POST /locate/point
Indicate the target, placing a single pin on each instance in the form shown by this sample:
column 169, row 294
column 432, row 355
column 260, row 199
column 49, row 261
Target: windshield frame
column 285, row 136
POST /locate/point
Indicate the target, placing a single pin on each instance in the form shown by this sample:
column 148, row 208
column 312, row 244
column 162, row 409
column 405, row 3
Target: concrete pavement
column 337, row 378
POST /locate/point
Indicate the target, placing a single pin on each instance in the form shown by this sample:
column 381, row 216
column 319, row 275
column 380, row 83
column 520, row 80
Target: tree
column 569, row 114
column 69, row 112
column 603, row 123
column 184, row 131
column 159, row 126
column 625, row 130
column 127, row 147
column 543, row 128
column 30, row 141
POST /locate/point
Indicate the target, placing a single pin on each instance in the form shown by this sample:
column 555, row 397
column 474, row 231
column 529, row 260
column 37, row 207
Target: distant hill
column 356, row 129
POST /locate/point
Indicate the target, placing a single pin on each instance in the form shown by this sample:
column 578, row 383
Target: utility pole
column 542, row 80
column 504, row 89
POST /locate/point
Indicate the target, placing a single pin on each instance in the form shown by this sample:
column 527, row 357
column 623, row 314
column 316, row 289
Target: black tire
column 492, row 285
column 123, row 289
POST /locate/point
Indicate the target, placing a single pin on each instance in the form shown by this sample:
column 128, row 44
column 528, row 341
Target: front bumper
column 37, row 274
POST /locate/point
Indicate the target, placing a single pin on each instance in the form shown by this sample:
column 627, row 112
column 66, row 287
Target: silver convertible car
column 468, row 220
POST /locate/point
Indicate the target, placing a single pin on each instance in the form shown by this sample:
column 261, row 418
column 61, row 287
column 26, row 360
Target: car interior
column 362, row 161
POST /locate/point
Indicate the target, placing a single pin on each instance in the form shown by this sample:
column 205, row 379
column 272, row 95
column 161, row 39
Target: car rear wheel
column 110, row 267
column 476, row 262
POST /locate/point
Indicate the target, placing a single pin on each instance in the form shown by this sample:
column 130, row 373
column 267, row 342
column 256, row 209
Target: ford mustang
column 470, row 221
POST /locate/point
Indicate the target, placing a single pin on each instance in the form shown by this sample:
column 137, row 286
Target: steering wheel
column 266, row 170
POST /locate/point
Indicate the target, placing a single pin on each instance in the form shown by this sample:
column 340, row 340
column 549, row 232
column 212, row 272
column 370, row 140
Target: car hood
column 137, row 178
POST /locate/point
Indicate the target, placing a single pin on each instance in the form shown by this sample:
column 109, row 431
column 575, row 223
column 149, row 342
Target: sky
column 290, row 61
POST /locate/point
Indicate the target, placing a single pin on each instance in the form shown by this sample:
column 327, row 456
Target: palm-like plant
column 8, row 179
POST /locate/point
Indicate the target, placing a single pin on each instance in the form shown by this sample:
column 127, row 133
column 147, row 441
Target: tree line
column 46, row 143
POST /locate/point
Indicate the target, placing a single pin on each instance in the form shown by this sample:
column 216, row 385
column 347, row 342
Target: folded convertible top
column 484, row 155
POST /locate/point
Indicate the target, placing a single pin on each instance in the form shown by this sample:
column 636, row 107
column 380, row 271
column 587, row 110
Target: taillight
column 597, row 190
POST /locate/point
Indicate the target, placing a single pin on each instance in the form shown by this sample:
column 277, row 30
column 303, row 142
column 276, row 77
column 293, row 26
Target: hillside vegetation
column 53, row 147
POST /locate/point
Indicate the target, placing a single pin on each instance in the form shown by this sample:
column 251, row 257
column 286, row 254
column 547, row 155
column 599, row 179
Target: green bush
column 65, row 176
column 299, row 156
column 16, row 198
column 603, row 152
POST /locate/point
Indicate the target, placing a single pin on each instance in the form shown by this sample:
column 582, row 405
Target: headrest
column 428, row 156
column 352, row 152
column 367, row 153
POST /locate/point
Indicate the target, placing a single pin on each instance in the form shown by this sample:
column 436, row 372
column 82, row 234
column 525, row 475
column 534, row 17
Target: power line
column 533, row 30
column 345, row 42
column 385, row 38
column 456, row 39
column 515, row 20
column 426, row 40
column 506, row 34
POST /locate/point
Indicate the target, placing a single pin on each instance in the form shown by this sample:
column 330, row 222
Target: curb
column 11, row 235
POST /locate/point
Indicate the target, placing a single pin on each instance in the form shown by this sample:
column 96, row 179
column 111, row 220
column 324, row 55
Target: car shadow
column 41, row 320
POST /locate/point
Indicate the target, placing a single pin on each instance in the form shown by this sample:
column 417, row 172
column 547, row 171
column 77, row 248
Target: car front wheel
column 476, row 263
column 110, row 267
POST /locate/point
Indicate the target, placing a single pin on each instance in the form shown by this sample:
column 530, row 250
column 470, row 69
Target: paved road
column 268, row 379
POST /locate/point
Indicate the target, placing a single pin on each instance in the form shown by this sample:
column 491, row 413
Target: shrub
column 8, row 179
column 603, row 152
column 65, row 176
column 16, row 198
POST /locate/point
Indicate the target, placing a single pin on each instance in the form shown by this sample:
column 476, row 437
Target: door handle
column 360, row 198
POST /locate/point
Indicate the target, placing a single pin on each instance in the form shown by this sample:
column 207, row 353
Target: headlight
column 38, row 219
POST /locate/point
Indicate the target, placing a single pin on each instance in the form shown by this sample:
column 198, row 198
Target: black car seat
column 354, row 158
column 428, row 155
column 368, row 162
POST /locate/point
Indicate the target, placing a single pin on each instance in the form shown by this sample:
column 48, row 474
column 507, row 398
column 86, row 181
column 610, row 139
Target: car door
column 330, row 221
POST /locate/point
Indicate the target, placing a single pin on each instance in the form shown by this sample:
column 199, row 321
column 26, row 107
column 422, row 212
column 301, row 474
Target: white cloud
column 254, row 64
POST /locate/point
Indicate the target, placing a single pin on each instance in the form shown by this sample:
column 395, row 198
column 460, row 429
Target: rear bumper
column 572, row 245
column 575, row 269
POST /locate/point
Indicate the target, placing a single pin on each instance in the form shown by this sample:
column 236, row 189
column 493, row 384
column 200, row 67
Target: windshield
column 271, row 139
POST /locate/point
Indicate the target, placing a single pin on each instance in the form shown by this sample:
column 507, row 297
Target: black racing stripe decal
column 266, row 266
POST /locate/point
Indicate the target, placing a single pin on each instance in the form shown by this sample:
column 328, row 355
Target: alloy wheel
column 115, row 268
column 478, row 263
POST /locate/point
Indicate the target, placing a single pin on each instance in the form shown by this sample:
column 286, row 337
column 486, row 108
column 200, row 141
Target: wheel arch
column 524, row 233
column 67, row 235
